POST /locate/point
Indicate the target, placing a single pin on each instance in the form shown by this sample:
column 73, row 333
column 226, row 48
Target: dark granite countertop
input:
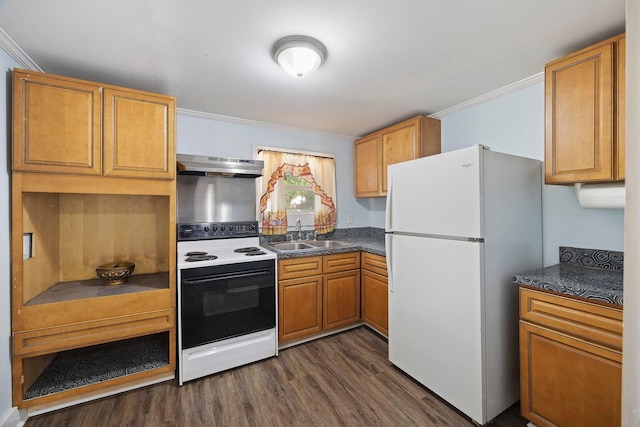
column 590, row 274
column 367, row 239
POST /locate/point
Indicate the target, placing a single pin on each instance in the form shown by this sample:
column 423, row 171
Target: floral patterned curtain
column 318, row 171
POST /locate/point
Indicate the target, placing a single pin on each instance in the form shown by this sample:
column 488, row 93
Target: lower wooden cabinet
column 374, row 288
column 310, row 302
column 570, row 361
column 341, row 299
column 299, row 307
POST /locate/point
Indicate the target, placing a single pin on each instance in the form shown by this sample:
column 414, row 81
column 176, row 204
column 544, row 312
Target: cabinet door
column 399, row 144
column 579, row 117
column 56, row 125
column 341, row 299
column 621, row 135
column 568, row 382
column 368, row 167
column 139, row 134
column 375, row 301
column 299, row 307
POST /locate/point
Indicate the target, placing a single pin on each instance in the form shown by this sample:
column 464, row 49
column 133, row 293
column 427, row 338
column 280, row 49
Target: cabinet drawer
column 341, row 262
column 374, row 263
column 294, row 268
column 591, row 322
column 43, row 341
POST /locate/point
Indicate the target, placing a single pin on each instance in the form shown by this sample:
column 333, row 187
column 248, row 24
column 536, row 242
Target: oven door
column 225, row 301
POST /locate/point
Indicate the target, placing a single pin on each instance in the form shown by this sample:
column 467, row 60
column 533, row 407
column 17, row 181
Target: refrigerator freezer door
column 435, row 317
column 437, row 195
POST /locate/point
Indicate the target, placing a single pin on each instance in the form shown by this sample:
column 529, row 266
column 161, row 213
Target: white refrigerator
column 459, row 225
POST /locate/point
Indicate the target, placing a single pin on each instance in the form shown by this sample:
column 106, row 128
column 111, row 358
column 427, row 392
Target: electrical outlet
column 349, row 219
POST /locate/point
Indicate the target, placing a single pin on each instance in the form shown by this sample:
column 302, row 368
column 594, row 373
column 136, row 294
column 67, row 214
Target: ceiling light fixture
column 299, row 55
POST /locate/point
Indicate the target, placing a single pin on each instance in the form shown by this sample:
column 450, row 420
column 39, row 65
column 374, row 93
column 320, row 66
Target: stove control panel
column 217, row 230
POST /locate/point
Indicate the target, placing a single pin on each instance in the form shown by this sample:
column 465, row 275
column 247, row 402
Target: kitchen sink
column 327, row 244
column 291, row 246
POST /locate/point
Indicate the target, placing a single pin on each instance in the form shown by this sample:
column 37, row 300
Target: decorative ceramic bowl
column 115, row 273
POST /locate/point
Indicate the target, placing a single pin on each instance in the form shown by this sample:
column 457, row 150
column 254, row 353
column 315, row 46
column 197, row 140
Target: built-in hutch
column 93, row 182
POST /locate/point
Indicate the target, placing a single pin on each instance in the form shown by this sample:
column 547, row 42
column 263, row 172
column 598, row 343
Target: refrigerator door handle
column 387, row 246
column 387, row 212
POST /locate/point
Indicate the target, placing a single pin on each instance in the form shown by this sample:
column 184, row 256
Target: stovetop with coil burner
column 205, row 244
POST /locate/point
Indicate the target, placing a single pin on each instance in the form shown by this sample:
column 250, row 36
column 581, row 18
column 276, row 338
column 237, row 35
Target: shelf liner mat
column 76, row 368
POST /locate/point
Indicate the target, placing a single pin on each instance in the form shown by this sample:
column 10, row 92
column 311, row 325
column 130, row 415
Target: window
column 297, row 186
column 298, row 194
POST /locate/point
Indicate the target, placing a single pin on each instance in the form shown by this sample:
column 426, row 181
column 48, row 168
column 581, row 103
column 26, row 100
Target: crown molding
column 521, row 84
column 248, row 122
column 16, row 53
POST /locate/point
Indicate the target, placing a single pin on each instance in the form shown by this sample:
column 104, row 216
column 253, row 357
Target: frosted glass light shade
column 299, row 55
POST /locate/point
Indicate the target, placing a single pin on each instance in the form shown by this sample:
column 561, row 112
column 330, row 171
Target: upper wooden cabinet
column 65, row 125
column 410, row 139
column 585, row 115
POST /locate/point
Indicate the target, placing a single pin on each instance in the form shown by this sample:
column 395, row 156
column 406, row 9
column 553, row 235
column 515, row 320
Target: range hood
column 189, row 164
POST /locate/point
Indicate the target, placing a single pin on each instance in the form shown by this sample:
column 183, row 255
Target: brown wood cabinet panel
column 50, row 340
column 591, row 322
column 621, row 116
column 410, row 139
column 580, row 115
column 568, row 382
column 300, row 307
column 63, row 313
column 341, row 299
column 374, row 263
column 293, row 268
column 139, row 134
column 340, row 262
column 368, row 167
column 375, row 301
column 56, row 124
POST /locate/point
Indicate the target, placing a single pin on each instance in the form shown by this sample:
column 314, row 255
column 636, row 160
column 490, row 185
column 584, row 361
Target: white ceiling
column 387, row 60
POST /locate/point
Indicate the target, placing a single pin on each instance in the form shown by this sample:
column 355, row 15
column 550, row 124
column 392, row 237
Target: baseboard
column 15, row 418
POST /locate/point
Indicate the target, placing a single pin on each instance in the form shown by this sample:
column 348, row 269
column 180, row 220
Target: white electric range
column 227, row 298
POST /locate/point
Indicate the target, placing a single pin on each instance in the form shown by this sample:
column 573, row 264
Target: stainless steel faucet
column 299, row 229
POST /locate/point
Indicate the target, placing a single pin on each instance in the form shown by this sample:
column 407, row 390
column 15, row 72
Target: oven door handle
column 226, row 277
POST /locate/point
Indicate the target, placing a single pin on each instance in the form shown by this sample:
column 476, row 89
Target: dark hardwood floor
column 341, row 380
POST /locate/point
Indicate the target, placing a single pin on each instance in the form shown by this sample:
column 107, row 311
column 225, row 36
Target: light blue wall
column 514, row 124
column 6, row 64
column 201, row 135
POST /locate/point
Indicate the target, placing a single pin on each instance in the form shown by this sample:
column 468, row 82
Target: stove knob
column 253, row 226
column 215, row 228
column 222, row 228
column 206, row 229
